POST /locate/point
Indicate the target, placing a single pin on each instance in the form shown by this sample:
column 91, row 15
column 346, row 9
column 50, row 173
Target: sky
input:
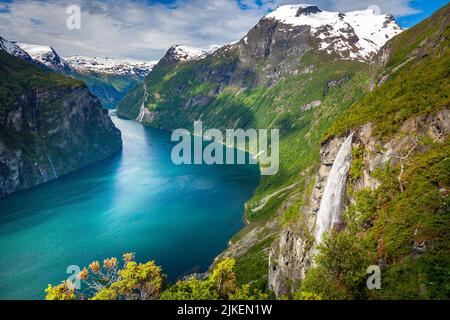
column 145, row 29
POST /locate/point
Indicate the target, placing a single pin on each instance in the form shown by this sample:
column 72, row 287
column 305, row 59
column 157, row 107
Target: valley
column 361, row 110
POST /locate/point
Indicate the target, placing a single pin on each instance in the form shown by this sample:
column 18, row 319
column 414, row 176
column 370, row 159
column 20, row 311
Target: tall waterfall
column 333, row 195
column 141, row 115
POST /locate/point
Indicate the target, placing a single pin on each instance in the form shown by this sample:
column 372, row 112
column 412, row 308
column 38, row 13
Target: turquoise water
column 136, row 201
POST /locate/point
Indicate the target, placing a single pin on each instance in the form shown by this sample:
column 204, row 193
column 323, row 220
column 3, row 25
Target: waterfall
column 141, row 115
column 43, row 139
column 331, row 203
column 49, row 158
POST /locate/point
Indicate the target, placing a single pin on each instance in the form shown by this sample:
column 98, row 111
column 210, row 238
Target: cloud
column 142, row 30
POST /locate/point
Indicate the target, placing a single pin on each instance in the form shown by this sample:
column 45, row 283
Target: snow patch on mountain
column 113, row 66
column 13, row 49
column 355, row 35
column 188, row 53
column 45, row 55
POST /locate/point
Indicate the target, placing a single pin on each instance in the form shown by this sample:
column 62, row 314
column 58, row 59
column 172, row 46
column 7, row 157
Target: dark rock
column 308, row 11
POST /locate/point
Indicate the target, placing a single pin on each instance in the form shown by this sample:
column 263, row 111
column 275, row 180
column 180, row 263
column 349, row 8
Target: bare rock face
column 280, row 47
column 47, row 133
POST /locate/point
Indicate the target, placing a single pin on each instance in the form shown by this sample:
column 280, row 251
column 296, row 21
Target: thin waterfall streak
column 43, row 142
column 141, row 115
column 49, row 159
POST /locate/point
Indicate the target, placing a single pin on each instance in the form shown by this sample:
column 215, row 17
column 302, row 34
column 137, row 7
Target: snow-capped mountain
column 107, row 78
column 182, row 53
column 86, row 65
column 355, row 35
column 112, row 66
column 13, row 49
column 47, row 56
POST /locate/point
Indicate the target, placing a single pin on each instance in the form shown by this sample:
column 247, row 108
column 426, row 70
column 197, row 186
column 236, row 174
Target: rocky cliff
column 49, row 125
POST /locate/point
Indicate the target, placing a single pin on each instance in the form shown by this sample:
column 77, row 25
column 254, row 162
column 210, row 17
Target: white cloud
column 135, row 29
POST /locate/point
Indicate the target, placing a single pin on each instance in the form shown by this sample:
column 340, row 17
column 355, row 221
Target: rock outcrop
column 49, row 127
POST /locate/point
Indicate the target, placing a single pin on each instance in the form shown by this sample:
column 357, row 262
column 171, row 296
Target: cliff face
column 50, row 125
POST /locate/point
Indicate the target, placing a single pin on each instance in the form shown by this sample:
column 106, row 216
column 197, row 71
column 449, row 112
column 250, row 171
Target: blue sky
column 144, row 29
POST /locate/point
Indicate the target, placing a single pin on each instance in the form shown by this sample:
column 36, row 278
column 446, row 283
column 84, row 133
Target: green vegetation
column 406, row 233
column 17, row 77
column 130, row 280
column 109, row 89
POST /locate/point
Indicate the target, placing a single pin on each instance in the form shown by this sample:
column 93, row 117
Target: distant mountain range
column 108, row 78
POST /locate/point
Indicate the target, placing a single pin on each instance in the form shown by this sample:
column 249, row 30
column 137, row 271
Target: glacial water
column 136, row 201
column 333, row 194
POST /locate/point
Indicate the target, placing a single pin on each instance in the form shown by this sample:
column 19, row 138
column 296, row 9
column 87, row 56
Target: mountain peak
column 113, row 66
column 14, row 50
column 45, row 55
column 179, row 52
column 357, row 34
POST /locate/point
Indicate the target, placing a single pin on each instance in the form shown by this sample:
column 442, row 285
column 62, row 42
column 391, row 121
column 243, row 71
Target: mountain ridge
column 108, row 78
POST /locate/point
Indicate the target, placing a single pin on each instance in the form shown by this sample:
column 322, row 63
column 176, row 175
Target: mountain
column 352, row 35
column 271, row 51
column 107, row 78
column 395, row 208
column 50, row 125
column 182, row 53
column 128, row 68
column 14, row 50
column 47, row 56
column 346, row 90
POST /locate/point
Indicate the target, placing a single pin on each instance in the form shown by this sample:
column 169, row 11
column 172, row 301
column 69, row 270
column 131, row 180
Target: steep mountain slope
column 284, row 74
column 107, row 78
column 47, row 56
column 14, row 50
column 49, row 125
column 396, row 206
